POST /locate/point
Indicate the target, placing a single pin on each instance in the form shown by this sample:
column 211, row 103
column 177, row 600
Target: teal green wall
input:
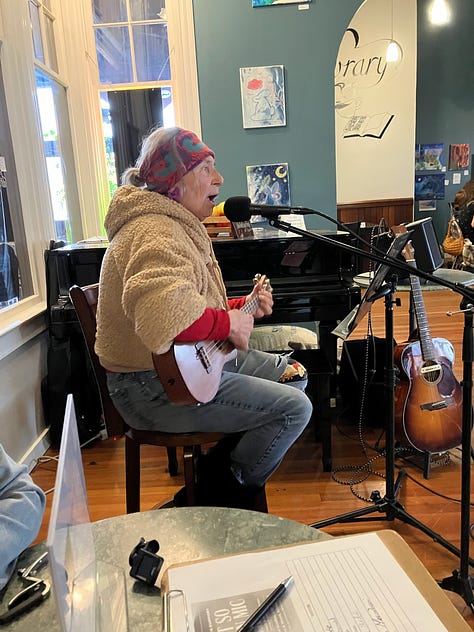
column 445, row 90
column 230, row 34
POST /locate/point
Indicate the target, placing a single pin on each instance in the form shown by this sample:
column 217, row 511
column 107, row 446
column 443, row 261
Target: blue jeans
column 250, row 400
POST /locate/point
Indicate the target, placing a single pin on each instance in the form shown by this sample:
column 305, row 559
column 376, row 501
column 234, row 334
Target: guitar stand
column 459, row 582
column 429, row 460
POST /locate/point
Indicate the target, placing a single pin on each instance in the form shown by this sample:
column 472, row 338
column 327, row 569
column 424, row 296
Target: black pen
column 265, row 606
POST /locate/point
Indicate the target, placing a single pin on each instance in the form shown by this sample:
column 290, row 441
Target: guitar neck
column 427, row 347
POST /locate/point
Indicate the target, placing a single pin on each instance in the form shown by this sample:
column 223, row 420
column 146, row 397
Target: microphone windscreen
column 237, row 209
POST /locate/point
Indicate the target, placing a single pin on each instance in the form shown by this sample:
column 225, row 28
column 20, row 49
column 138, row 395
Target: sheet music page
column 348, row 584
column 295, row 220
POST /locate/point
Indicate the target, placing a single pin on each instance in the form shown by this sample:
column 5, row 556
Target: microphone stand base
column 461, row 585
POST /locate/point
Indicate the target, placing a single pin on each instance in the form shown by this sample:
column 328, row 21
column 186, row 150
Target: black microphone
column 240, row 209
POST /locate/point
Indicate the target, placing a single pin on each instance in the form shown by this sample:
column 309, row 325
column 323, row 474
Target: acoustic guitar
column 428, row 397
column 191, row 372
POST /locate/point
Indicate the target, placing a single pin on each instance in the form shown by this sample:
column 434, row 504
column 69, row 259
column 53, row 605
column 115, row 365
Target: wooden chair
column 85, row 303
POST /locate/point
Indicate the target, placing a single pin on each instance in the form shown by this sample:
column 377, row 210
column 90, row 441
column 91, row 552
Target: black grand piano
column 311, row 280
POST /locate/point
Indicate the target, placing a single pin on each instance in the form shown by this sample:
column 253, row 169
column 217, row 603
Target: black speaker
column 427, row 251
column 351, row 381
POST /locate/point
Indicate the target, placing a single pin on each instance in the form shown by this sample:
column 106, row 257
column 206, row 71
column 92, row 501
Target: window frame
column 184, row 83
column 19, row 82
column 75, row 48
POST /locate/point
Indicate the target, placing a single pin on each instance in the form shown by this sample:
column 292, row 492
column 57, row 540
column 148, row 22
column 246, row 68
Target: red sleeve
column 236, row 303
column 214, row 324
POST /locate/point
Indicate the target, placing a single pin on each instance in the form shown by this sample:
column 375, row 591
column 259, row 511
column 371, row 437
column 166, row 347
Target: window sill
column 20, row 323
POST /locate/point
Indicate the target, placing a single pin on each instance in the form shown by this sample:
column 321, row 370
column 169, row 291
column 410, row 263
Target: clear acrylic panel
column 106, row 11
column 90, row 594
column 152, row 52
column 147, row 10
column 113, row 54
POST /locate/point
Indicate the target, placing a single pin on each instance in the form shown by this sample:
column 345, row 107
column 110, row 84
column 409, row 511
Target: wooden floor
column 300, row 489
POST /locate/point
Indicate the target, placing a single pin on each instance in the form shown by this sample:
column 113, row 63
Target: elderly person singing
column 161, row 284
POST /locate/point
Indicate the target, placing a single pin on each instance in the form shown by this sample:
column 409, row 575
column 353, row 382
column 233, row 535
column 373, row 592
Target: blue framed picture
column 429, row 187
column 269, row 184
column 262, row 90
column 429, row 157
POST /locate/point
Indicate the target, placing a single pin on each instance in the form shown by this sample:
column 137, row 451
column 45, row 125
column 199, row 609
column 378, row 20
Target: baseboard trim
column 37, row 449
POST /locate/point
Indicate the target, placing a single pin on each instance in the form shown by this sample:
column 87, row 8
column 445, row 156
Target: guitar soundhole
column 431, row 372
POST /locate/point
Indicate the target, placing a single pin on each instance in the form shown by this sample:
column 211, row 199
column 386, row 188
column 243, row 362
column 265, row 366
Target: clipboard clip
column 177, row 594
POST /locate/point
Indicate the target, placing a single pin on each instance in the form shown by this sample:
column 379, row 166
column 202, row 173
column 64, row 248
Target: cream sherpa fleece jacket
column 158, row 275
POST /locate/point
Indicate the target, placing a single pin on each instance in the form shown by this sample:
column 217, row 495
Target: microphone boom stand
column 460, row 582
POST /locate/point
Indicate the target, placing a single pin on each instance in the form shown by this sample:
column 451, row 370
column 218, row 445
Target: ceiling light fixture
column 394, row 51
column 439, row 12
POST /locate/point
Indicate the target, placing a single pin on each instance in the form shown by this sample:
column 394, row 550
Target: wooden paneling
column 396, row 211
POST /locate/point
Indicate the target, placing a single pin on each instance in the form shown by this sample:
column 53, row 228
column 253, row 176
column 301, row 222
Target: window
column 55, row 127
column 132, row 47
column 131, row 41
column 42, row 30
column 34, row 150
column 15, row 278
column 48, row 79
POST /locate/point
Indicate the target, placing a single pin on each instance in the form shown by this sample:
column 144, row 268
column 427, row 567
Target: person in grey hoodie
column 22, row 506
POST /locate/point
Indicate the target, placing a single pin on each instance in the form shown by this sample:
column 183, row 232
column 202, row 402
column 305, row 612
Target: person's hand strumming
column 241, row 325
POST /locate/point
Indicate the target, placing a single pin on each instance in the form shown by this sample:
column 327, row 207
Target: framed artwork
column 269, row 184
column 427, row 205
column 429, row 157
column 459, row 156
column 270, row 3
column 263, row 96
column 429, row 187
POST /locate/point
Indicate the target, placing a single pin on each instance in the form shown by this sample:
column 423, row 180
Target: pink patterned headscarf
column 173, row 159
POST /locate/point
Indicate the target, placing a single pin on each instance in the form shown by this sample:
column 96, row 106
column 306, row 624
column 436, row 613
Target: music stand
column 375, row 289
column 460, row 582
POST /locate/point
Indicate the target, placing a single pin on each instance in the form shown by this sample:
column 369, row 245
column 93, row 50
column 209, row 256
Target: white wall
column 22, row 430
column 370, row 90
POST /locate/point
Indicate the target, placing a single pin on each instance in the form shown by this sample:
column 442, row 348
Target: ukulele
column 428, row 397
column 191, row 372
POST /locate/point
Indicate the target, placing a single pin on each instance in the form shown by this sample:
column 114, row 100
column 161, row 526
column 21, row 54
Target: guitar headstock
column 264, row 280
